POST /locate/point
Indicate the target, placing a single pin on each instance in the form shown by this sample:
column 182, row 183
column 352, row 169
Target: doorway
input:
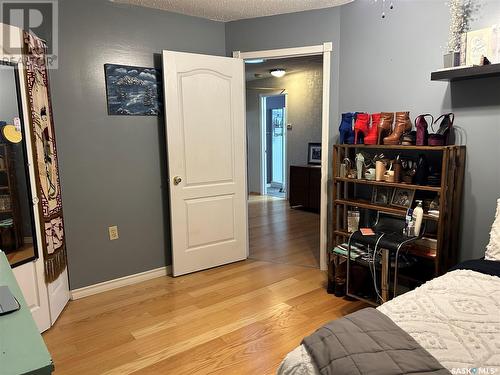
column 284, row 118
column 273, row 145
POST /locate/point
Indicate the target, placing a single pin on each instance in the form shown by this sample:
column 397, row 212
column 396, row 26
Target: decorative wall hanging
column 45, row 157
column 133, row 91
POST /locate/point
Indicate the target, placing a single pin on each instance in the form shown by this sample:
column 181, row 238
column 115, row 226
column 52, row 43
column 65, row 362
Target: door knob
column 177, row 180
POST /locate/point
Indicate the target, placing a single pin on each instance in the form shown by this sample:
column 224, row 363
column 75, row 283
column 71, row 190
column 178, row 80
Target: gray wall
column 113, row 168
column 385, row 65
column 304, row 109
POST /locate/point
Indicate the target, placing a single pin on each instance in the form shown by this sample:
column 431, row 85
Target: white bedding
column 455, row 317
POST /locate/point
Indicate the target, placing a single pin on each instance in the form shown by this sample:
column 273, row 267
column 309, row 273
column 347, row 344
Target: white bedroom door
column 206, row 143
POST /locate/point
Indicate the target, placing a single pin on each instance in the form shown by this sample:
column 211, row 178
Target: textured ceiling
column 231, row 10
column 291, row 65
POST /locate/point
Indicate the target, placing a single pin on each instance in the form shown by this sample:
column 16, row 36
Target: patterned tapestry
column 45, row 157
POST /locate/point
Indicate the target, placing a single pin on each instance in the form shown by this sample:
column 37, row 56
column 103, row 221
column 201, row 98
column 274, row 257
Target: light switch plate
column 113, row 232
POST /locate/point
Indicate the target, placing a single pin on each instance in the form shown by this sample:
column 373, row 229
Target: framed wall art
column 314, row 153
column 133, row 91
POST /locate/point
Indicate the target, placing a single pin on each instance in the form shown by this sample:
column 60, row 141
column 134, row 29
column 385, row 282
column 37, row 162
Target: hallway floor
column 281, row 234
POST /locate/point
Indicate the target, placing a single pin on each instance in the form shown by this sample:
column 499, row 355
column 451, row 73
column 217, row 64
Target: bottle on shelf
column 418, row 214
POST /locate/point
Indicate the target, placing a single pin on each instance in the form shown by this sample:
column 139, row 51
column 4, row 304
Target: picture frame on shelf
column 479, row 43
column 382, row 195
column 402, row 198
column 314, row 153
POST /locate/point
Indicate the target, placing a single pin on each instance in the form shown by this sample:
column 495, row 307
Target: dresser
column 22, row 350
column 305, row 187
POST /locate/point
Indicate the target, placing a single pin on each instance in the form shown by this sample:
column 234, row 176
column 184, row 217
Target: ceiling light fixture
column 254, row 61
column 278, row 73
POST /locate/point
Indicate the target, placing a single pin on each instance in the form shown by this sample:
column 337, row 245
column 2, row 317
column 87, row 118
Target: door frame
column 324, row 49
column 262, row 122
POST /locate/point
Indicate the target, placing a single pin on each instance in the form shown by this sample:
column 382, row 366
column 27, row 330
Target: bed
column 455, row 317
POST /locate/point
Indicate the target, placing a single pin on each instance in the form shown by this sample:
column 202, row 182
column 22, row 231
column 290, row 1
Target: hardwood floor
column 236, row 319
column 280, row 234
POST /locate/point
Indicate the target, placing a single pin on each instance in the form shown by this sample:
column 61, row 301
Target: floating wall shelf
column 470, row 72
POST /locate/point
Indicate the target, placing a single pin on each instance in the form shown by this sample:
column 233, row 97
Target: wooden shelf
column 435, row 257
column 464, row 73
column 371, row 206
column 398, row 147
column 389, row 184
column 421, row 251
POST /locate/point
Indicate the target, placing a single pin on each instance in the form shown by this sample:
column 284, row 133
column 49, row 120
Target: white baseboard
column 120, row 282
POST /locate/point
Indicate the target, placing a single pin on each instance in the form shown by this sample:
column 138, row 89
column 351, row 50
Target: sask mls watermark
column 474, row 371
column 39, row 17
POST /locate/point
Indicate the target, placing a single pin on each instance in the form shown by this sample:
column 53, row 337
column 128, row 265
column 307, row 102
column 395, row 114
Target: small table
column 22, row 349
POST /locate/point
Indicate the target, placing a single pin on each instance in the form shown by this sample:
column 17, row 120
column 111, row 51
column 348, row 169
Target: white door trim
column 324, row 49
column 283, row 53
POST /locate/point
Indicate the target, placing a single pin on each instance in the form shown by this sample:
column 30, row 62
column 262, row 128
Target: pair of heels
column 346, row 128
column 416, row 172
column 378, row 128
column 361, row 132
column 392, row 135
column 439, row 138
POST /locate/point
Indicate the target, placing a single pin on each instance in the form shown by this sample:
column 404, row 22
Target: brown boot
column 385, row 125
column 401, row 126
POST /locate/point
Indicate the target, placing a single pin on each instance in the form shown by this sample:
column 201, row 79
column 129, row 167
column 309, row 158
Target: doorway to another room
column 273, row 145
column 284, row 135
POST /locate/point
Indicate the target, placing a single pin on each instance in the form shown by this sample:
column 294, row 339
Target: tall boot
column 345, row 130
column 372, row 137
column 361, row 127
column 402, row 125
column 385, row 125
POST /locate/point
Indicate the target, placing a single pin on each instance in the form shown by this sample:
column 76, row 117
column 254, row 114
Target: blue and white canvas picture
column 133, row 91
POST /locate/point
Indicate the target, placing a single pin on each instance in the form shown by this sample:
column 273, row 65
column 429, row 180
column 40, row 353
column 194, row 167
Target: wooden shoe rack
column 349, row 193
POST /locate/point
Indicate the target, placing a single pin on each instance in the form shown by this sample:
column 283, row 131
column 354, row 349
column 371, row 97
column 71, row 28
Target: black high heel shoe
column 422, row 171
column 440, row 138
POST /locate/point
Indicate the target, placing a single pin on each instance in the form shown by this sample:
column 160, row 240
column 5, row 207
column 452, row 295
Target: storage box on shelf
column 436, row 254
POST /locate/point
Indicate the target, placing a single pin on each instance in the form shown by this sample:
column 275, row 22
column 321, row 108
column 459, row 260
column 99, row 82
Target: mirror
column 17, row 228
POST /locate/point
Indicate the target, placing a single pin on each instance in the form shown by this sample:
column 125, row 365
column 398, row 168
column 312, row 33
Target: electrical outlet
column 113, row 233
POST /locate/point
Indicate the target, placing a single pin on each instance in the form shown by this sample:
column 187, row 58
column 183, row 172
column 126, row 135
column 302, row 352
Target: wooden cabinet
column 305, row 187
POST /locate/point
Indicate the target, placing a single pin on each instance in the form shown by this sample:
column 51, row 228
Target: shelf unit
column 451, row 160
column 467, row 72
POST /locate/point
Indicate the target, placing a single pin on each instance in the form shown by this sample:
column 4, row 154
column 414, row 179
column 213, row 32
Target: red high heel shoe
column 372, row 137
column 361, row 125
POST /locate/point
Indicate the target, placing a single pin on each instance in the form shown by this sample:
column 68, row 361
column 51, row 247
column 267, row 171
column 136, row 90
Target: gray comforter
column 368, row 342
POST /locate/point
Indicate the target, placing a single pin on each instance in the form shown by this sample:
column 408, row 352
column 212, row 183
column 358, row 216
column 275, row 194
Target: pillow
column 493, row 248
